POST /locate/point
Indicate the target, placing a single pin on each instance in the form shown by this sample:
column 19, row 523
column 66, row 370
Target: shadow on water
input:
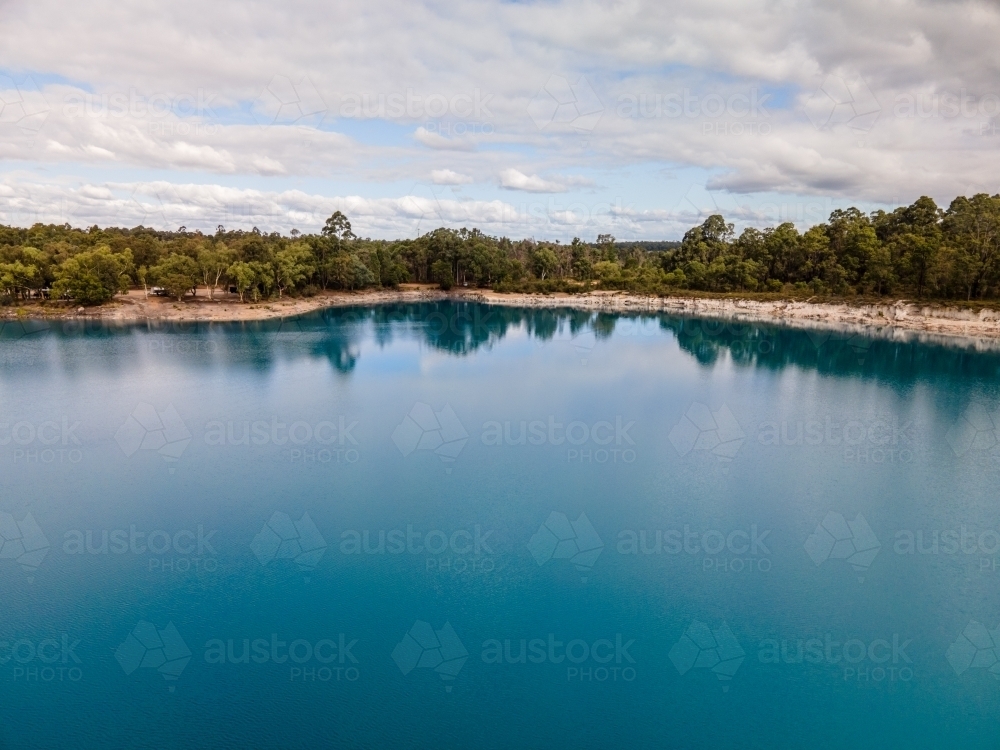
column 462, row 328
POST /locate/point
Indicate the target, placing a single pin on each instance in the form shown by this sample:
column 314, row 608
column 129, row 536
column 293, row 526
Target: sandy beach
column 899, row 320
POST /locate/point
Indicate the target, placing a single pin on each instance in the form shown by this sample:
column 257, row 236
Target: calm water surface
column 467, row 526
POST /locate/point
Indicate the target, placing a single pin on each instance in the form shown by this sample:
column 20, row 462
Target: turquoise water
column 467, row 526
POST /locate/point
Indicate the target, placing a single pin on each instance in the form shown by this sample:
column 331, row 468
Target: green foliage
column 243, row 276
column 93, row 277
column 543, row 262
column 441, row 273
column 177, row 274
column 213, row 262
column 293, row 265
column 918, row 250
column 18, row 279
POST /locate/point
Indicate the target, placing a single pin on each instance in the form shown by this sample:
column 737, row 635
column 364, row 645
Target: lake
column 456, row 525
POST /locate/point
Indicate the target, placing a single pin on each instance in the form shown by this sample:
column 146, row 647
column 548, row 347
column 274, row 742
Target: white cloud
column 448, row 177
column 436, row 140
column 258, row 95
column 512, row 179
column 168, row 205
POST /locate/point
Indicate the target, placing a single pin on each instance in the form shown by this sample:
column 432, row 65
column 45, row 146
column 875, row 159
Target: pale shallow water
column 703, row 539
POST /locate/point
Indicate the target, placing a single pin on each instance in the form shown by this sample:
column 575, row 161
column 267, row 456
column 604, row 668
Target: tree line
column 919, row 251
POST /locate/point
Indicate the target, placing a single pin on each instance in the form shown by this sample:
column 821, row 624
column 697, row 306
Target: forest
column 920, row 251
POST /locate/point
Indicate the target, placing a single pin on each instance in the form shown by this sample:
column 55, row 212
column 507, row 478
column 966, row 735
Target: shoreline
column 902, row 321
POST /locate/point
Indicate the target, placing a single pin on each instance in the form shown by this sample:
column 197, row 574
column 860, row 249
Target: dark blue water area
column 456, row 525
